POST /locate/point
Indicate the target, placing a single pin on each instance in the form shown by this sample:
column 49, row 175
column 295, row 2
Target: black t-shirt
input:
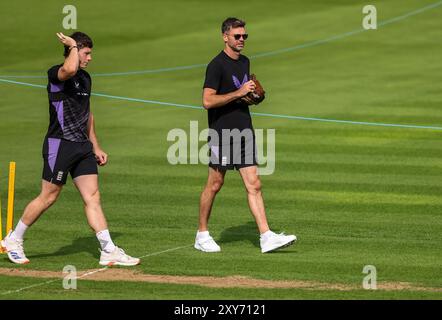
column 70, row 107
column 226, row 75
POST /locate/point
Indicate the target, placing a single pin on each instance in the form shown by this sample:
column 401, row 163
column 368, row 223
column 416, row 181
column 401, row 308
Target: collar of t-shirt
column 230, row 58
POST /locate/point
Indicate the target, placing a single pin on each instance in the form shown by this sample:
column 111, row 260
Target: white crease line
column 25, row 288
column 87, row 273
column 168, row 250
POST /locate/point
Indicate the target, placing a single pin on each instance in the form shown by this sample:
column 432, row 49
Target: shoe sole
column 198, row 247
column 114, row 263
column 16, row 262
column 281, row 246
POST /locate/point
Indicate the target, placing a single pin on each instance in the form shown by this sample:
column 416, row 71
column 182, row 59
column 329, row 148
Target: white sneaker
column 207, row 244
column 276, row 241
column 118, row 257
column 14, row 248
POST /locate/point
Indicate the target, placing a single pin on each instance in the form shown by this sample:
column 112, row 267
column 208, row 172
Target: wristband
column 70, row 48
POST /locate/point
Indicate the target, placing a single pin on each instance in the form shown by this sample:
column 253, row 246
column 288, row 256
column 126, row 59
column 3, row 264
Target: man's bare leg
column 269, row 240
column 203, row 240
column 252, row 184
column 13, row 242
column 87, row 185
column 214, row 184
column 47, row 197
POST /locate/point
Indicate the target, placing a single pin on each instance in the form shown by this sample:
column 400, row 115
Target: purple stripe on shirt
column 54, row 145
column 56, row 87
column 215, row 150
column 60, row 113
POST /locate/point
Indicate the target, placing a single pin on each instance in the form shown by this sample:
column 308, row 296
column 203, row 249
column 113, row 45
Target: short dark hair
column 230, row 23
column 82, row 39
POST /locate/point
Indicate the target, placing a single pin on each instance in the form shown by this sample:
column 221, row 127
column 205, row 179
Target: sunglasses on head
column 238, row 36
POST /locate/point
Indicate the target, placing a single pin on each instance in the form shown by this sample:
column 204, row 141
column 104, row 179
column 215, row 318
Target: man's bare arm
column 71, row 63
column 212, row 100
column 100, row 155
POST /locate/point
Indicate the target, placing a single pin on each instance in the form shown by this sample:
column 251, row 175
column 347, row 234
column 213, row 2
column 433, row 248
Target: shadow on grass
column 88, row 244
column 248, row 232
column 243, row 232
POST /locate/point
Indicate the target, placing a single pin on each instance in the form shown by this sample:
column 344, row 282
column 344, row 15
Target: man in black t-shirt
column 232, row 140
column 70, row 146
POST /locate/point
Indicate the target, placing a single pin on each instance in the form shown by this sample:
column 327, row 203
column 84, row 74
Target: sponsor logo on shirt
column 239, row 84
column 77, row 86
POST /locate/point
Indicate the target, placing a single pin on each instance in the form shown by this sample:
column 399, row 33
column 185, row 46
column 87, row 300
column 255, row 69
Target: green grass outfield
column 354, row 195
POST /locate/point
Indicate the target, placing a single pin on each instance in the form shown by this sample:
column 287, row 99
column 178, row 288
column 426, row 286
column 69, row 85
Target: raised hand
column 67, row 41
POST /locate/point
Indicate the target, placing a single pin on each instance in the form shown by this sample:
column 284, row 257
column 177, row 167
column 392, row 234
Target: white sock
column 19, row 231
column 202, row 235
column 266, row 234
column 105, row 240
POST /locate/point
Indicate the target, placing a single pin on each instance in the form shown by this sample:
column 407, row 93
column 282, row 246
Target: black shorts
column 234, row 155
column 61, row 157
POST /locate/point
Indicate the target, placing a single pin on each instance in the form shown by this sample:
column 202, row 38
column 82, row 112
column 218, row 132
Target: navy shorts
column 233, row 155
column 61, row 157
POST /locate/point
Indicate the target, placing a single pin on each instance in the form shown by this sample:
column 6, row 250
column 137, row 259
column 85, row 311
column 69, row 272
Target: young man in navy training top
column 70, row 146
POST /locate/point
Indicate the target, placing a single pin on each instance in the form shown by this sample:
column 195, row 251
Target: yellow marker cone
column 10, row 212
